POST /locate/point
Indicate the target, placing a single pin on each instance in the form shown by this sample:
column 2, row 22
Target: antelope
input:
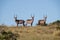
column 30, row 21
column 19, row 21
column 42, row 22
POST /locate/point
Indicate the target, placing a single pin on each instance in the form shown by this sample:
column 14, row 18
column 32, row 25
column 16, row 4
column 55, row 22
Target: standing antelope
column 19, row 21
column 42, row 22
column 30, row 21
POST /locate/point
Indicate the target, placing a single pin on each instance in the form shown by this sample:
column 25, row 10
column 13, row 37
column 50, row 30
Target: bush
column 58, row 28
column 7, row 35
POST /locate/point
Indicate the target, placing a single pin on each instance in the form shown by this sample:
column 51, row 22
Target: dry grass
column 35, row 33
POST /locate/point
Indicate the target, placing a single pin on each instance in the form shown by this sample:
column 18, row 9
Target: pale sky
column 24, row 8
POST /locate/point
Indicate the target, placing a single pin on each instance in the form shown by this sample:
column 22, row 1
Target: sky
column 25, row 8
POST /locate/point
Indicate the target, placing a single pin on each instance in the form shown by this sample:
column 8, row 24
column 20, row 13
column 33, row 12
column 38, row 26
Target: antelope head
column 15, row 17
column 32, row 17
column 45, row 17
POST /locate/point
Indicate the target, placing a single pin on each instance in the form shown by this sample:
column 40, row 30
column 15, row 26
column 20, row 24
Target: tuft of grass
column 56, row 33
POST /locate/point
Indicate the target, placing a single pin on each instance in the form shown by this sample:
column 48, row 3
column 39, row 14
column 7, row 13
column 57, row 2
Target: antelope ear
column 33, row 15
column 15, row 15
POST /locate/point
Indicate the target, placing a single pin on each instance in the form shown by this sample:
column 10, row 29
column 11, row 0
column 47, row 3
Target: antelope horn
column 31, row 15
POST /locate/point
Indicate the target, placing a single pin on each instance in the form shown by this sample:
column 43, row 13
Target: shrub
column 58, row 28
column 7, row 35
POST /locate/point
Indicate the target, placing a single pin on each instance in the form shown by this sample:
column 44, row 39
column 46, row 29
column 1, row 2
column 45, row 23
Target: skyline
column 25, row 8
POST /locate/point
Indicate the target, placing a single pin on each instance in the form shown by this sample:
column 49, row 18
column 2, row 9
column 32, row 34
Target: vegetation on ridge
column 38, row 32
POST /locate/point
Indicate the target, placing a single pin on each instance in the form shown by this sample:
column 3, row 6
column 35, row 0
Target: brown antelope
column 30, row 21
column 42, row 22
column 19, row 21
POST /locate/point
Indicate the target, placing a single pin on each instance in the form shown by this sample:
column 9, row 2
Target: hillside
column 49, row 32
column 34, row 33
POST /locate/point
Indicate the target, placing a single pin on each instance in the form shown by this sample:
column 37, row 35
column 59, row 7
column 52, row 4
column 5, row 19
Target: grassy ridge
column 35, row 33
column 49, row 32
